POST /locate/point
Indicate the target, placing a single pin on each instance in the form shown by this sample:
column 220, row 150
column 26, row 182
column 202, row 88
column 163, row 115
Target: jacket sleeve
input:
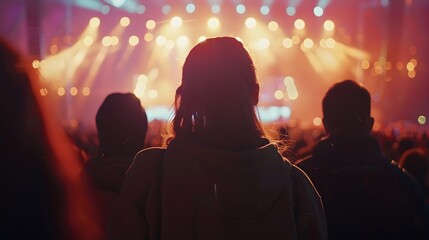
column 130, row 218
column 308, row 207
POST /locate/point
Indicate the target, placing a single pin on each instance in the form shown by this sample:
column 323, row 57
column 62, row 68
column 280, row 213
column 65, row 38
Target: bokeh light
column 299, row 24
column 190, row 8
column 421, row 120
column 125, row 21
column 240, row 9
column 265, row 10
column 133, row 40
column 250, row 22
column 176, row 22
column 150, row 24
column 94, row 22
column 318, row 11
column 213, row 23
column 290, row 11
column 273, row 26
column 329, row 25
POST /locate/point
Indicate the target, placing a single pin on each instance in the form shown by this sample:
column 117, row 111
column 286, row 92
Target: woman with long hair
column 219, row 176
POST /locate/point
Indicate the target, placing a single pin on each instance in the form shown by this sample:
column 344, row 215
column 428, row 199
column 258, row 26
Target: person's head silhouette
column 347, row 109
column 121, row 124
column 219, row 91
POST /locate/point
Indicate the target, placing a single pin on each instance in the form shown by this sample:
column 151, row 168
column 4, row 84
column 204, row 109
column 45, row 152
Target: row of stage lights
column 212, row 23
column 191, row 8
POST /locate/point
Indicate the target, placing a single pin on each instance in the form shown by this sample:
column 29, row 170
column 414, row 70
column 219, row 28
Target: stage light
column 182, row 41
column 148, row 37
column 318, row 11
column 265, row 10
column 150, row 24
column 215, row 8
column 36, row 64
column 317, row 121
column 413, row 61
column 115, row 40
column 166, row 9
column 140, row 86
column 125, row 21
column 61, row 91
column 308, row 43
column 133, row 40
column 323, row 43
column 278, row 95
column 106, row 41
column 213, row 23
column 161, row 40
column 176, row 22
column 412, row 74
column 287, row 43
column 141, row 9
column 288, row 81
column 273, row 26
column 410, row 66
column 240, row 9
column 263, row 43
column 365, row 64
column 250, row 22
column 86, row 91
column 202, row 38
column 330, row 43
column 105, row 9
column 190, row 7
column 118, row 3
column 421, row 119
column 73, row 91
column 299, row 24
column 329, row 25
column 94, row 22
column 290, row 11
column 88, row 41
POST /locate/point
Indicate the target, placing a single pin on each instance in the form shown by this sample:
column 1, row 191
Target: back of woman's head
column 219, row 90
column 121, row 124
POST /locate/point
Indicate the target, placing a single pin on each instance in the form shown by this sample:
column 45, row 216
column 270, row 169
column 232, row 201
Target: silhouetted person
column 365, row 196
column 122, row 126
column 219, row 177
column 416, row 162
column 41, row 197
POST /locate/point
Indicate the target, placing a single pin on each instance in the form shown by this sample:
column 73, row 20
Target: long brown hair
column 218, row 93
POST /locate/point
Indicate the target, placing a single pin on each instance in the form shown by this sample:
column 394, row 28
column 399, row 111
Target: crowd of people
column 214, row 171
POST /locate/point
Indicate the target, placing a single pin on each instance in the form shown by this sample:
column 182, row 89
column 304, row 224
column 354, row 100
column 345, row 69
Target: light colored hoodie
column 190, row 191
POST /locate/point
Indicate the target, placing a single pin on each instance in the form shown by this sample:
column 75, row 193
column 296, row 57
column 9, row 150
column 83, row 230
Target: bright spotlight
column 299, row 24
column 287, row 43
column 94, row 22
column 263, row 43
column 308, row 43
column 148, row 37
column 161, row 40
column 240, row 8
column 273, row 26
column 213, row 23
column 290, row 11
column 250, row 22
column 150, row 24
column 88, row 41
column 329, row 25
column 166, row 9
column 318, row 11
column 106, row 41
column 125, row 21
column 215, row 8
column 265, row 10
column 133, row 40
column 182, row 41
column 190, row 8
column 330, row 43
column 176, row 22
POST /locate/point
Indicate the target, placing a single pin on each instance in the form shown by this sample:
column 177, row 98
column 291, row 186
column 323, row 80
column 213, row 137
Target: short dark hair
column 346, row 105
